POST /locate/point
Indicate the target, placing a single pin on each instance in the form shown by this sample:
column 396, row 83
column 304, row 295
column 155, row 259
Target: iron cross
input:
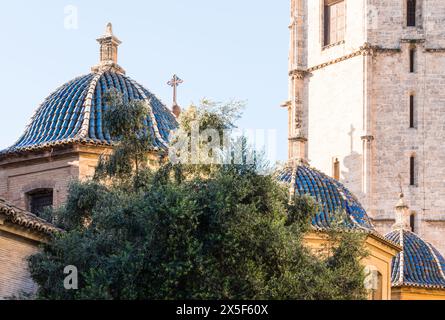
column 174, row 83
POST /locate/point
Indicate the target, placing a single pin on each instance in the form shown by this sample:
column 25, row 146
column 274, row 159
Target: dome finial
column 109, row 44
column 109, row 30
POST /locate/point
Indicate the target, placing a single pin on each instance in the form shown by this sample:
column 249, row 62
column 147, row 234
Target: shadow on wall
column 352, row 177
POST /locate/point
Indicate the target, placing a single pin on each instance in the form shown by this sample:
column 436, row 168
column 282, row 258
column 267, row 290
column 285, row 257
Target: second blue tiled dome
column 74, row 113
column 331, row 196
column 419, row 264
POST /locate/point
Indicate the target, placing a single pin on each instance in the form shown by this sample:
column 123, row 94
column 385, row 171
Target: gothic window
column 336, row 169
column 334, row 21
column 411, row 13
column 412, row 57
column 412, row 171
column 39, row 200
column 411, row 112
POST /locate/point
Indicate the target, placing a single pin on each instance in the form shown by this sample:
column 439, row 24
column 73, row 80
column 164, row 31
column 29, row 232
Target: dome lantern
column 109, row 44
column 402, row 215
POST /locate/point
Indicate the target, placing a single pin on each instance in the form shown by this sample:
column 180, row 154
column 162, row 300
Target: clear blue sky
column 222, row 49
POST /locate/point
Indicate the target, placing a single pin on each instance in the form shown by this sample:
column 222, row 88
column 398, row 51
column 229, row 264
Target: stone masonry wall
column 14, row 275
column 345, row 92
column 395, row 142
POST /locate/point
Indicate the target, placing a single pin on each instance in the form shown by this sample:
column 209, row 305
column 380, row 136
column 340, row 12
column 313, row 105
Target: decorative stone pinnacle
column 402, row 215
column 109, row 44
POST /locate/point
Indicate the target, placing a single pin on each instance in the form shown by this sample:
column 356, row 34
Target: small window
column 336, row 169
column 412, row 171
column 334, row 21
column 411, row 13
column 412, row 57
column 412, row 222
column 39, row 200
column 411, row 112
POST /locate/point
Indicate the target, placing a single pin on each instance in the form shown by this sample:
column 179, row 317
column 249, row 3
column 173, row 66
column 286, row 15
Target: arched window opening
column 411, row 13
column 412, row 171
column 39, row 200
column 412, row 58
column 412, row 110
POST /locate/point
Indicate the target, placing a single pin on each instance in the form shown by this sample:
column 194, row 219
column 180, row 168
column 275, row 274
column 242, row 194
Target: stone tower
column 367, row 89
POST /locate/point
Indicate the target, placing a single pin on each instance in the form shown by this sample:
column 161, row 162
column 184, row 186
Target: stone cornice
column 365, row 50
column 433, row 50
column 408, row 40
column 334, row 61
column 109, row 66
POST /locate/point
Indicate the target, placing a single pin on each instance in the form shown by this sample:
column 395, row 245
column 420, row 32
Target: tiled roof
column 419, row 264
column 331, row 196
column 74, row 114
column 26, row 219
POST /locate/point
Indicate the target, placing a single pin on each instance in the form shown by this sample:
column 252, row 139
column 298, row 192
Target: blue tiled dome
column 74, row 113
column 331, row 196
column 419, row 264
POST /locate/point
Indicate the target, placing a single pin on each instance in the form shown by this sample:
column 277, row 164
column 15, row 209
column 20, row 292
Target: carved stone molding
column 368, row 138
column 434, row 50
column 298, row 139
column 366, row 50
column 298, row 73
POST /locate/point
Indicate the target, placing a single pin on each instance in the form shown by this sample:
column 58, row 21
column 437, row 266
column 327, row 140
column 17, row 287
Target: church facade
column 367, row 80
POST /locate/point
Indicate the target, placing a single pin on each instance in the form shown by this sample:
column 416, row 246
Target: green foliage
column 125, row 121
column 212, row 115
column 229, row 233
column 230, row 236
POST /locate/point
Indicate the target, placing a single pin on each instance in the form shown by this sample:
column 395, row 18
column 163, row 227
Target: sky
column 223, row 50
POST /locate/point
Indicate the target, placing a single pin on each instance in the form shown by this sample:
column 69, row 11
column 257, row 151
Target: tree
column 229, row 233
column 125, row 121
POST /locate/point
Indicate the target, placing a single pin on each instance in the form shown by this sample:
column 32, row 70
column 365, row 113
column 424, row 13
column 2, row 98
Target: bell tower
column 366, row 83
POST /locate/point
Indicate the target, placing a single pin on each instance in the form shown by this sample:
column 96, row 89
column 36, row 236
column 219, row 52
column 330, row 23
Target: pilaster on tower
column 296, row 104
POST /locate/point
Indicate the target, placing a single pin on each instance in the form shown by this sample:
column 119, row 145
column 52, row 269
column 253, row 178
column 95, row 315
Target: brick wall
column 54, row 169
column 14, row 275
